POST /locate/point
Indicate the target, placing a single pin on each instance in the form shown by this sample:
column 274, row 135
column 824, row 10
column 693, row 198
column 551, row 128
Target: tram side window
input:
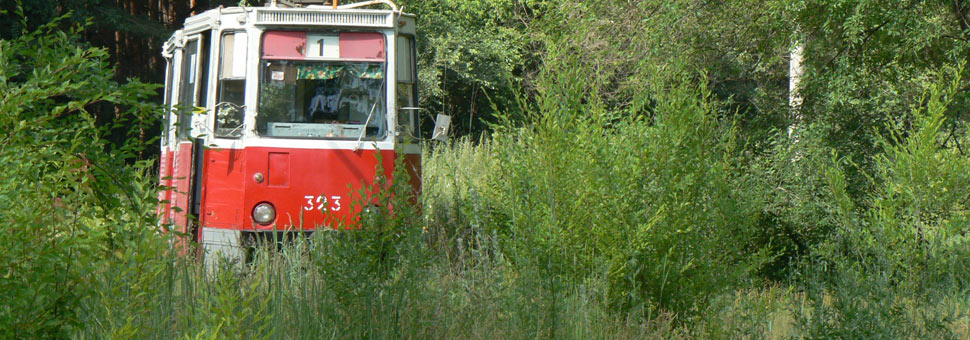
column 167, row 102
column 203, row 97
column 231, row 87
column 406, row 86
column 186, row 99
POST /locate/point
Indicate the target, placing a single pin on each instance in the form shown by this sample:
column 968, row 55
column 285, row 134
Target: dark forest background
column 131, row 31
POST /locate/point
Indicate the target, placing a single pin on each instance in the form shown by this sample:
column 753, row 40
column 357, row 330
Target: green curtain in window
column 325, row 71
column 373, row 71
column 318, row 71
column 366, row 70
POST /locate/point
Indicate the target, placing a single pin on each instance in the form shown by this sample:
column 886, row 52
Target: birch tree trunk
column 795, row 72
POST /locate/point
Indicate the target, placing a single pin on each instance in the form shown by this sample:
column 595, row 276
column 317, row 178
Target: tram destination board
column 315, row 130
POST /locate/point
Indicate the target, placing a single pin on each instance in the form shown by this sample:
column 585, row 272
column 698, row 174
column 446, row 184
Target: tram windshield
column 321, row 99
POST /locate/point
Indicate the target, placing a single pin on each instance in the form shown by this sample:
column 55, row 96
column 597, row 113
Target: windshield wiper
column 369, row 115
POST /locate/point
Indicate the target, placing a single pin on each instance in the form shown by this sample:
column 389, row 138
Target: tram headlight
column 264, row 213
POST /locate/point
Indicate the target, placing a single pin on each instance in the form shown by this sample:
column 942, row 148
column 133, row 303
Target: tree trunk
column 795, row 72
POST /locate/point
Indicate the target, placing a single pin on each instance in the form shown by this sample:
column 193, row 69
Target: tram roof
column 282, row 12
column 295, row 13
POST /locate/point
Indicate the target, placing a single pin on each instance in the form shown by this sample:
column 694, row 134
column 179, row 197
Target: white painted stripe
column 311, row 144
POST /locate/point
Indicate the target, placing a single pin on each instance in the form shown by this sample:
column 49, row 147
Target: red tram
column 279, row 114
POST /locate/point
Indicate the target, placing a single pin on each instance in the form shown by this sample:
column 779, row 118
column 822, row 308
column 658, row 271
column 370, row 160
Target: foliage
column 868, row 63
column 72, row 201
column 740, row 46
column 637, row 181
column 470, row 54
column 533, row 186
column 908, row 242
column 651, row 202
column 797, row 211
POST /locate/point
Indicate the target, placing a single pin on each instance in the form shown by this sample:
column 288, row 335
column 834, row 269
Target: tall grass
column 425, row 282
column 445, row 279
column 296, row 294
column 585, row 224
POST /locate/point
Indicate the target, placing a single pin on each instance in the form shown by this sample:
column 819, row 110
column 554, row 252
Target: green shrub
column 651, row 201
column 72, row 202
column 789, row 184
column 890, row 262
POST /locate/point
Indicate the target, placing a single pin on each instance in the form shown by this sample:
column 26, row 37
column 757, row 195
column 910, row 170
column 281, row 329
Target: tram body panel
column 223, row 190
column 310, row 188
column 313, row 188
column 412, row 163
column 181, row 183
column 165, row 181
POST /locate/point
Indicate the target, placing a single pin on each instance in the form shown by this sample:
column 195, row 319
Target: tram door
column 165, row 159
column 187, row 145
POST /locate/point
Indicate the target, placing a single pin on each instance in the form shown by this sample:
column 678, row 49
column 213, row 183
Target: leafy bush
column 472, row 54
column 72, row 202
column 789, row 184
column 650, row 201
column 888, row 265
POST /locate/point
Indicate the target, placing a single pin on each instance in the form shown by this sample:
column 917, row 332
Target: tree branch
column 869, row 33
